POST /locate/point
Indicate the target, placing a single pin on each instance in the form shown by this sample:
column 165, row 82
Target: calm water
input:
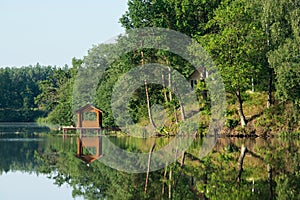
column 39, row 166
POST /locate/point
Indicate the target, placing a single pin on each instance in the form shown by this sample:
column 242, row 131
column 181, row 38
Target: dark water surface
column 40, row 166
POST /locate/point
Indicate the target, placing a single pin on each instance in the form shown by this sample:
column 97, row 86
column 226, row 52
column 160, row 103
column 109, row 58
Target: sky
column 19, row 185
column 52, row 32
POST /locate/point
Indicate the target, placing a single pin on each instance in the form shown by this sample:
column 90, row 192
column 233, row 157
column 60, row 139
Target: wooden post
column 79, row 119
column 97, row 118
column 64, row 132
column 79, row 147
column 80, row 133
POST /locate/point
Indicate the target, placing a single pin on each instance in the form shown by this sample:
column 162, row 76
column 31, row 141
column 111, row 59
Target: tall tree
column 276, row 29
column 286, row 59
column 234, row 46
column 56, row 95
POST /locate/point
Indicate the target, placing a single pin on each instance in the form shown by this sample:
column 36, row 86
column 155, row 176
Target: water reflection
column 22, row 185
column 94, row 147
column 21, row 176
column 271, row 168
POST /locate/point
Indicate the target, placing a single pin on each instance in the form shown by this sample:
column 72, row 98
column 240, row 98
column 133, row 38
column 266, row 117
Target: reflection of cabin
column 198, row 75
column 93, row 146
column 89, row 116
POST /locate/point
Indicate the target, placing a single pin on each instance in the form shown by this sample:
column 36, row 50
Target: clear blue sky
column 52, row 32
column 19, row 185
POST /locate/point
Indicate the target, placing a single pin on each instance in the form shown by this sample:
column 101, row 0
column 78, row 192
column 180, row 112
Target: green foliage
column 285, row 62
column 56, row 95
column 19, row 87
column 289, row 135
column 235, row 44
column 248, row 41
column 213, row 176
column 189, row 17
column 231, row 123
column 288, row 186
column 277, row 119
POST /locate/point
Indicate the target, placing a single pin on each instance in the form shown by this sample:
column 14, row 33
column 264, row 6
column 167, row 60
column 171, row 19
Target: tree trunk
column 240, row 108
column 148, row 167
column 164, row 179
column 252, row 84
column 240, row 163
column 170, row 184
column 149, row 106
column 170, row 85
column 205, row 186
column 270, row 99
column 270, row 180
column 181, row 171
column 182, row 111
column 182, row 159
column 180, row 104
column 142, row 54
column 175, row 115
column 164, row 88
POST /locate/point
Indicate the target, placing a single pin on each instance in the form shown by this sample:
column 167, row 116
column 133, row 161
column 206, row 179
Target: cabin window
column 92, row 150
column 89, row 116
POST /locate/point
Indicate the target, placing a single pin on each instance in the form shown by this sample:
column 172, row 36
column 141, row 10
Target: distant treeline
column 19, row 88
column 30, row 93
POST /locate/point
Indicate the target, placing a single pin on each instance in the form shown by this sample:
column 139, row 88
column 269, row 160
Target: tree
column 187, row 16
column 276, row 29
column 286, row 59
column 19, row 87
column 234, row 46
column 56, row 95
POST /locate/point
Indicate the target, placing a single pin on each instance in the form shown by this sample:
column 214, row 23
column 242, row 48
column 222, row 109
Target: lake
column 37, row 165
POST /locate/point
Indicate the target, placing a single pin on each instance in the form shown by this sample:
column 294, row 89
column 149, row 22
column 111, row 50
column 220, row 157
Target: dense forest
column 19, row 88
column 254, row 44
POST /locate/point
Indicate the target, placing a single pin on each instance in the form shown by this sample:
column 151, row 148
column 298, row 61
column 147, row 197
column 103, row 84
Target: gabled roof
column 197, row 73
column 87, row 108
column 88, row 158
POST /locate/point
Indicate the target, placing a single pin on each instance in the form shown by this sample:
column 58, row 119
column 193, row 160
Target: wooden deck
column 65, row 129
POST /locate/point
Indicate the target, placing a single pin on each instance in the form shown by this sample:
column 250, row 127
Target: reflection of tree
column 17, row 155
column 213, row 177
column 271, row 170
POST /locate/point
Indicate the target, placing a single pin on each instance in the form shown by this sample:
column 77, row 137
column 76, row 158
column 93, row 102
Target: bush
column 231, row 123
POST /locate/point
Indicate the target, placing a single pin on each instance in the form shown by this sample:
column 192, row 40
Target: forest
column 254, row 44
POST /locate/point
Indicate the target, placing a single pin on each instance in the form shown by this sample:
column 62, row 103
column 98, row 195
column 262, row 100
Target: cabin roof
column 196, row 73
column 88, row 158
column 88, row 108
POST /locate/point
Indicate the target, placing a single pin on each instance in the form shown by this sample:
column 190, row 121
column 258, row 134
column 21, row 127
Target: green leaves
column 19, row 87
column 235, row 43
column 286, row 59
column 285, row 62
